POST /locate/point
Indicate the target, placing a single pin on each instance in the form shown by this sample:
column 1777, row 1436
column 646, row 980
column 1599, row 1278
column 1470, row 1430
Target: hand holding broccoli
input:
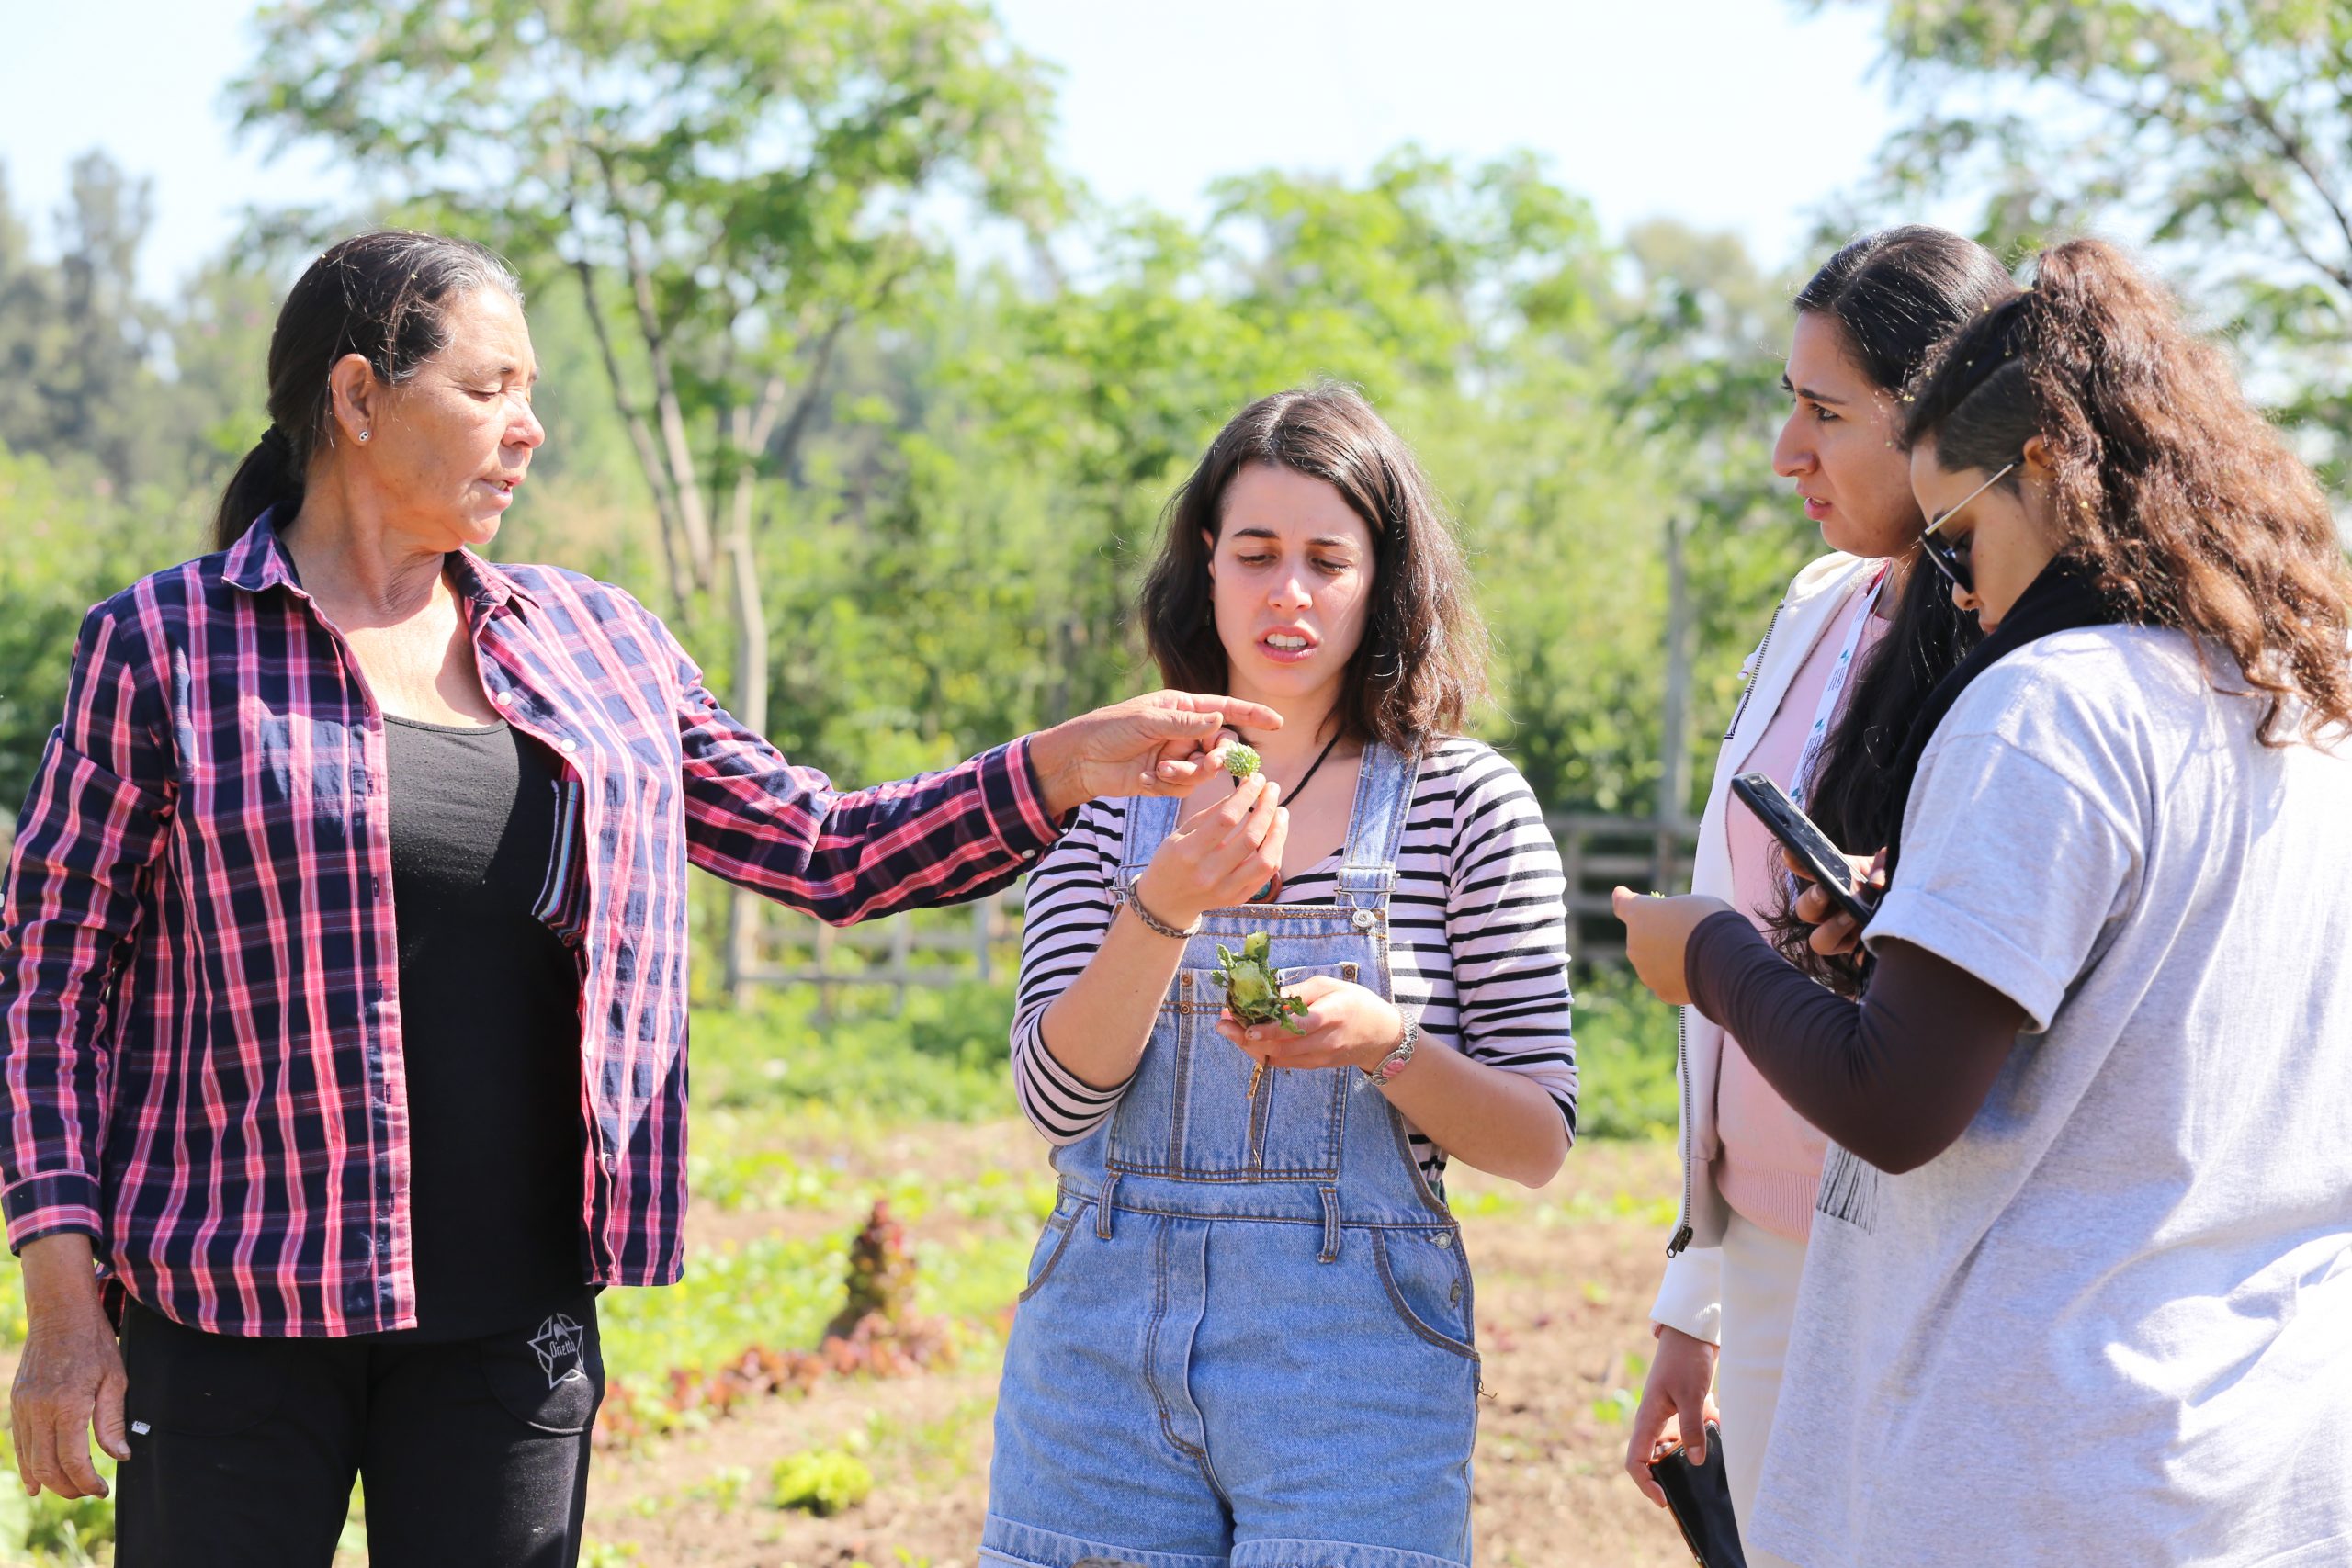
column 1254, row 995
column 1251, row 990
column 1220, row 856
column 1328, row 1023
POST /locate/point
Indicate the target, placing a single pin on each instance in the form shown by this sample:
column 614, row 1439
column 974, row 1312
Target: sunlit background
column 950, row 296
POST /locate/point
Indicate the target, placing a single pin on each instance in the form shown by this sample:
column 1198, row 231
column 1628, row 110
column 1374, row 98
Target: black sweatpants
column 243, row 1451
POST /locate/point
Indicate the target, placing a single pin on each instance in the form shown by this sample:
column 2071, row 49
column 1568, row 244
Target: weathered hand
column 1165, row 743
column 70, row 1379
column 1677, row 1400
column 1346, row 1026
column 1657, row 935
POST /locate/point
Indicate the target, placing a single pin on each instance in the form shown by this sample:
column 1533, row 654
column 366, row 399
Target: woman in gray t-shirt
column 2080, row 1280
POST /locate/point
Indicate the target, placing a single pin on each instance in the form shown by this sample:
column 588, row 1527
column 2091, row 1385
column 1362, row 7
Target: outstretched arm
column 849, row 856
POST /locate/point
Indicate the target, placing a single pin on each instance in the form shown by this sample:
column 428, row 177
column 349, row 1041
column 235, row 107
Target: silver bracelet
column 1154, row 923
column 1400, row 1056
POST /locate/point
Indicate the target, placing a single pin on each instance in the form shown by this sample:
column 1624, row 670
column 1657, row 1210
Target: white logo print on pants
column 558, row 1345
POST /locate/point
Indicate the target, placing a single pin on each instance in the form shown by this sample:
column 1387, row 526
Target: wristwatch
column 1385, row 1069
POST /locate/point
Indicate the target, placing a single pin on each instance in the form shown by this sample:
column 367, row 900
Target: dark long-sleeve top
column 201, row 1059
column 1896, row 1077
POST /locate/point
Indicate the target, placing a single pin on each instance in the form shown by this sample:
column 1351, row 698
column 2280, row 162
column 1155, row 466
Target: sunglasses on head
column 1941, row 553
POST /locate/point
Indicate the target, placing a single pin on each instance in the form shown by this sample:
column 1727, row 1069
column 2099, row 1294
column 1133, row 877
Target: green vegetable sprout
column 1253, row 993
column 1240, row 762
column 1250, row 990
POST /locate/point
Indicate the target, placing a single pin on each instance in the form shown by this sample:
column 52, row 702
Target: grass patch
column 944, row 1058
column 1625, row 1046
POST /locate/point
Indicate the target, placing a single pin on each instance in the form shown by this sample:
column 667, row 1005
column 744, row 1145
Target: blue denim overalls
column 1246, row 1336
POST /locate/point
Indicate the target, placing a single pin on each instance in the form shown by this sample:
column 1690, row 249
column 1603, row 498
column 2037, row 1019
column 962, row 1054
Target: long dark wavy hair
column 385, row 295
column 1422, row 663
column 2175, row 490
column 1895, row 295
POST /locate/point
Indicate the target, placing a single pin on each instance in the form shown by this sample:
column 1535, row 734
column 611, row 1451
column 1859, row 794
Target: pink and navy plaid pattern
column 200, row 1058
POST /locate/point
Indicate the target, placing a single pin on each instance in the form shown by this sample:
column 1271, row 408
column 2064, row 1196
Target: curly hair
column 1422, row 663
column 2175, row 490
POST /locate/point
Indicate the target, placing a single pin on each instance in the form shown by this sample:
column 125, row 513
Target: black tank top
column 490, row 1029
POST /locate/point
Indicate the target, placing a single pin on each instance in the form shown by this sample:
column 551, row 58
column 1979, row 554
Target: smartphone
column 1699, row 1496
column 1808, row 845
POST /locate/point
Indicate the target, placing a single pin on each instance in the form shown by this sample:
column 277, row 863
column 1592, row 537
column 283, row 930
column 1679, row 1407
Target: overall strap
column 1150, row 819
column 1376, row 825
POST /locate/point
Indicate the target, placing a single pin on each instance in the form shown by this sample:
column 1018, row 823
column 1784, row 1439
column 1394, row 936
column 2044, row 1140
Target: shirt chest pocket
column 631, row 771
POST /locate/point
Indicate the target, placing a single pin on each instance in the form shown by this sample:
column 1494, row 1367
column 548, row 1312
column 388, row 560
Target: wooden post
column 821, row 957
column 751, row 705
column 1674, row 719
column 902, row 949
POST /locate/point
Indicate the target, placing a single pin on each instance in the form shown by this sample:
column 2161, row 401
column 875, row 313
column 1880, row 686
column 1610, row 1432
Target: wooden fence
column 980, row 941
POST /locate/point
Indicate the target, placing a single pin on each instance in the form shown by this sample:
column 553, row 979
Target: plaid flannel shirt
column 201, row 1061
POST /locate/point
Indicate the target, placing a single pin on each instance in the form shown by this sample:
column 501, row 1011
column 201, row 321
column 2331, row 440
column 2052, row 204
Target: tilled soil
column 1565, row 1280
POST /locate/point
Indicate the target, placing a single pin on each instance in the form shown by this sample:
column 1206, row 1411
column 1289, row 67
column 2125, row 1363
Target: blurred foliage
column 68, row 546
column 1626, row 1041
column 728, row 187
column 2217, row 133
column 943, row 1058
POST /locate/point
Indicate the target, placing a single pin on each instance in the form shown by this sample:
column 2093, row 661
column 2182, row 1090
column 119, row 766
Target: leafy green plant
column 1251, row 988
column 823, row 1482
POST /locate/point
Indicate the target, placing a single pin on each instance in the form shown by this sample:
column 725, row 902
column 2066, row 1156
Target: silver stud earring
column 363, row 435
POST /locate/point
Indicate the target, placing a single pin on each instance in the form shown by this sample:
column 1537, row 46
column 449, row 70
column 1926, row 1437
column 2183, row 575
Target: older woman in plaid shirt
column 343, row 965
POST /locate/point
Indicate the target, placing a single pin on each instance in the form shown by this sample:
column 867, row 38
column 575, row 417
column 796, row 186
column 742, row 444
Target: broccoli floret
column 1251, row 988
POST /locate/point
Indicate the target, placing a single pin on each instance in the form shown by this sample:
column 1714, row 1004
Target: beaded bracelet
column 1154, row 923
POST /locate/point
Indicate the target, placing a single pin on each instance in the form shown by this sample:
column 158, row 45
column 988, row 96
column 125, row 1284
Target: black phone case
column 1699, row 1496
column 1797, row 833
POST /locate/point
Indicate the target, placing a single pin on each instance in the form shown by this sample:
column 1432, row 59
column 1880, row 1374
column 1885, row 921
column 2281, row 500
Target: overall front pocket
column 1427, row 1276
column 1061, row 1226
column 1193, row 1113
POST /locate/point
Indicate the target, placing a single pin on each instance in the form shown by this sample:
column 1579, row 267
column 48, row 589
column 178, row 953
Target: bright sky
column 1738, row 114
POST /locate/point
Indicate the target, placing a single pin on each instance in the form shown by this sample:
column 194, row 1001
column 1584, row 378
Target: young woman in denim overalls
column 1247, row 1337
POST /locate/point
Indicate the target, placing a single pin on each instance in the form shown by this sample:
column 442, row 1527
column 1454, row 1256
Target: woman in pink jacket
column 1860, row 638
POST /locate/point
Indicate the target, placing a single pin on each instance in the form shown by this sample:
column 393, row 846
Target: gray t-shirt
column 2113, row 1322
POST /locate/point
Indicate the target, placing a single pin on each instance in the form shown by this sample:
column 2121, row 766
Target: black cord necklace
column 1273, row 890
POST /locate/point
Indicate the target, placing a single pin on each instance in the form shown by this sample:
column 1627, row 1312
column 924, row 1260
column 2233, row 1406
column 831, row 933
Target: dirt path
column 1565, row 1278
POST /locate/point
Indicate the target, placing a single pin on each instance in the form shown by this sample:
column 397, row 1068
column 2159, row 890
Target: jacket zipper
column 1690, row 1134
column 1757, row 672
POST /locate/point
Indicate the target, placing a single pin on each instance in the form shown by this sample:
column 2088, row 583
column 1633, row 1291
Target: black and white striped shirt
column 1478, row 936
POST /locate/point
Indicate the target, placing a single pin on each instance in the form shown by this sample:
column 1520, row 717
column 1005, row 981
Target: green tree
column 78, row 372
column 745, row 178
column 749, row 180
column 1702, row 336
column 2219, row 131
column 1480, row 308
column 69, row 545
